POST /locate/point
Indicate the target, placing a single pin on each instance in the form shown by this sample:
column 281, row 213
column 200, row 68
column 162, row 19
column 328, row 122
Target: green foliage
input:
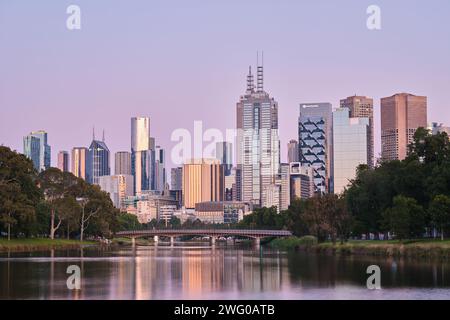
column 126, row 221
column 406, row 218
column 440, row 213
column 293, row 242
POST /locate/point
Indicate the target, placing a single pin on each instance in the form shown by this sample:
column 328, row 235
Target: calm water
column 203, row 272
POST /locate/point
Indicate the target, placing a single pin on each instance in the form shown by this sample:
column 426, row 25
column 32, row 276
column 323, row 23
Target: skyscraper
column 315, row 142
column 203, row 180
column 362, row 107
column 401, row 115
column 36, row 148
column 122, row 163
column 257, row 142
column 97, row 163
column 63, row 161
column 79, row 158
column 350, row 145
column 224, row 154
column 176, row 178
column 142, row 158
column 119, row 187
column 293, row 152
column 301, row 181
column 159, row 169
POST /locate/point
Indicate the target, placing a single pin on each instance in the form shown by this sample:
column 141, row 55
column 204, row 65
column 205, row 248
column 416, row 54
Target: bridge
column 213, row 234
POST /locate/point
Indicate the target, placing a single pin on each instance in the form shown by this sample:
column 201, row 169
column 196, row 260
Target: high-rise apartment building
column 63, row 161
column 315, row 129
column 401, row 115
column 203, row 180
column 293, row 152
column 224, row 154
column 122, row 163
column 97, row 163
column 362, row 107
column 142, row 157
column 257, row 142
column 350, row 144
column 79, row 158
column 36, row 148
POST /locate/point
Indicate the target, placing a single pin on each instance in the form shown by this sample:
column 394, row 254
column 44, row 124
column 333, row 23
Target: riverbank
column 417, row 249
column 40, row 244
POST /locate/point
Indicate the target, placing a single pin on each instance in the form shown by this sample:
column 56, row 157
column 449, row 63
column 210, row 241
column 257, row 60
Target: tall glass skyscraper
column 159, row 169
column 79, row 162
column 36, row 148
column 224, row 154
column 142, row 157
column 97, row 163
column 258, row 143
column 315, row 143
column 351, row 140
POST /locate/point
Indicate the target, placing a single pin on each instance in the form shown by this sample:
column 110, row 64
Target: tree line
column 53, row 203
column 409, row 199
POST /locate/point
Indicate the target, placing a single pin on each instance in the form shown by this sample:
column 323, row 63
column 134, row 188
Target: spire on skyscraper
column 250, row 84
column 93, row 132
column 103, row 136
column 260, row 73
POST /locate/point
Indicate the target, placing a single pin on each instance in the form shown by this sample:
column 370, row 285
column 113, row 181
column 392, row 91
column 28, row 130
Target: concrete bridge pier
column 213, row 241
column 257, row 242
column 133, row 241
column 172, row 241
column 156, row 240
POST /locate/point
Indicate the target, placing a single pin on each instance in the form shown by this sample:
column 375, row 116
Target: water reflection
column 199, row 272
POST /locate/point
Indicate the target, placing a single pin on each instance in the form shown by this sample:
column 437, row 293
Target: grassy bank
column 40, row 244
column 431, row 249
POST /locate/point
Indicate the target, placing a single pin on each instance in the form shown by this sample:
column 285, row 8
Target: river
column 195, row 271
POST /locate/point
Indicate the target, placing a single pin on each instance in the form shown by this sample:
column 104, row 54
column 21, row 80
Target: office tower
column 159, row 169
column 362, row 107
column 203, row 180
column 97, row 163
column 122, row 163
column 230, row 185
column 142, row 158
column 293, row 152
column 176, row 178
column 301, row 181
column 119, row 187
column 79, row 158
column 272, row 198
column 315, row 143
column 36, row 148
column 436, row 128
column 224, row 154
column 350, row 144
column 257, row 142
column 401, row 115
column 283, row 181
column 63, row 161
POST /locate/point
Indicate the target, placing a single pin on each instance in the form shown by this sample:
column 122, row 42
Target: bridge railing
column 239, row 232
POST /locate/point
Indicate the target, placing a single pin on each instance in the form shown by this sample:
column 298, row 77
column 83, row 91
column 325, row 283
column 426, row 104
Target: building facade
column 176, row 178
column 401, row 115
column 142, row 155
column 362, row 107
column 293, row 151
column 122, row 163
column 301, row 181
column 203, row 180
column 315, row 129
column 351, row 143
column 63, row 161
column 257, row 142
column 225, row 155
column 79, row 158
column 119, row 187
column 97, row 163
column 36, row 148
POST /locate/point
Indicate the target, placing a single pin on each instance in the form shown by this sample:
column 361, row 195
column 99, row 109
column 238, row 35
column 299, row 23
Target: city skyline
column 293, row 74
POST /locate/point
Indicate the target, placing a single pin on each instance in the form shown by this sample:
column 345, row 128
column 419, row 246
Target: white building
column 350, row 147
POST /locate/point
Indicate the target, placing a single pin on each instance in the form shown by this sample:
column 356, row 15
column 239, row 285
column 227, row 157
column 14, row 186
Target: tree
column 405, row 218
column 19, row 193
column 56, row 185
column 126, row 221
column 440, row 213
